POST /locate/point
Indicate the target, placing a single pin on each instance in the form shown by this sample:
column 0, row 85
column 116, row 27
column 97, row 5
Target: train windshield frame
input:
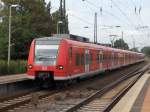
column 46, row 52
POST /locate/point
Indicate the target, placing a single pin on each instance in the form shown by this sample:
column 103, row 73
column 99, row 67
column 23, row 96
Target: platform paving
column 146, row 103
column 137, row 99
column 13, row 78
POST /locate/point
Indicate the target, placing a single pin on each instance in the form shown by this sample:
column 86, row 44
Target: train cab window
column 78, row 59
column 45, row 54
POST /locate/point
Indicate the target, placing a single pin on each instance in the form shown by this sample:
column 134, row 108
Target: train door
column 101, row 59
column 87, row 60
column 124, row 59
column 104, row 59
column 118, row 59
column 112, row 59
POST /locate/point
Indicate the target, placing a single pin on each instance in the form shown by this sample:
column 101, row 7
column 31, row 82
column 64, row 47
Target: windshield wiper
column 45, row 57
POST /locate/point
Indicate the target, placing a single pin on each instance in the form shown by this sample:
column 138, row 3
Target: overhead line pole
column 61, row 11
column 95, row 28
column 63, row 26
column 64, row 8
column 64, row 17
column 122, row 40
column 60, row 26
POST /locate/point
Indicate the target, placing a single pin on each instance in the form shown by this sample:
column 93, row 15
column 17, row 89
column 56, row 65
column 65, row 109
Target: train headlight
column 60, row 67
column 30, row 66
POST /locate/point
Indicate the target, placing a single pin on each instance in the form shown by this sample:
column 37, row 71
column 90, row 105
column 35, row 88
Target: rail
column 108, row 103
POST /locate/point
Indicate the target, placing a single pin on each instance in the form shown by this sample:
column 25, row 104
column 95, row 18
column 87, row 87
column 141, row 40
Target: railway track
column 16, row 104
column 104, row 100
column 22, row 100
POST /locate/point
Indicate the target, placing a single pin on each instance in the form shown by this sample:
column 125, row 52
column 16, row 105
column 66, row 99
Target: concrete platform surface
column 146, row 103
column 137, row 99
column 12, row 78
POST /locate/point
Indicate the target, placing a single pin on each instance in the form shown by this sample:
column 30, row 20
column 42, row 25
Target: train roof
column 67, row 36
column 97, row 46
column 82, row 42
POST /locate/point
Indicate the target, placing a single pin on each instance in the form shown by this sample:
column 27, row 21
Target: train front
column 43, row 57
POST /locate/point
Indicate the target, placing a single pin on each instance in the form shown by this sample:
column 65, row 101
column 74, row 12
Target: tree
column 55, row 19
column 31, row 20
column 3, row 42
column 134, row 49
column 121, row 44
column 146, row 50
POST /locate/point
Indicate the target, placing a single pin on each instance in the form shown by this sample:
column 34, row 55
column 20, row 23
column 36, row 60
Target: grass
column 16, row 67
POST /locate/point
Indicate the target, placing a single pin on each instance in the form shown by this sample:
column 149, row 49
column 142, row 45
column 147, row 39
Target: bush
column 16, row 67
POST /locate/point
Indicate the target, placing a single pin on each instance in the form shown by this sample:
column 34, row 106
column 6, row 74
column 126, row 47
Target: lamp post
column 9, row 40
column 58, row 29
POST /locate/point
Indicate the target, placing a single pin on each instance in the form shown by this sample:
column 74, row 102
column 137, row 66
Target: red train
column 65, row 57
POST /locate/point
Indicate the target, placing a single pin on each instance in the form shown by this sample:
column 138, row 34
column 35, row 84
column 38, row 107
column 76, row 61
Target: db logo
column 44, row 68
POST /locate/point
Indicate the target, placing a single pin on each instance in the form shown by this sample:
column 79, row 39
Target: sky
column 132, row 17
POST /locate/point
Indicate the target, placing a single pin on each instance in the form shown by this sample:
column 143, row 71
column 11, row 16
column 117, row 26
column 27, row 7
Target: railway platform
column 12, row 78
column 137, row 99
column 12, row 84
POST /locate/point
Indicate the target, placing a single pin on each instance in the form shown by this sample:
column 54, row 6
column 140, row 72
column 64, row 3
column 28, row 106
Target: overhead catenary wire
column 81, row 19
column 87, row 22
column 131, row 22
column 110, row 14
column 105, row 11
column 124, row 14
column 128, row 21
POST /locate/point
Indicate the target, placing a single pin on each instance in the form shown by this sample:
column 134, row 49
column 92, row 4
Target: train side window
column 77, row 59
column 98, row 58
column 104, row 58
column 70, row 55
column 82, row 59
column 91, row 58
column 108, row 57
column 101, row 57
column 70, row 52
column 112, row 56
column 87, row 58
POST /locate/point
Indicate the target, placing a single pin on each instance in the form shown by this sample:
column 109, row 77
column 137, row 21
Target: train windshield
column 46, row 54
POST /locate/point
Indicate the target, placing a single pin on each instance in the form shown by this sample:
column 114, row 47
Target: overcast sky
column 133, row 17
